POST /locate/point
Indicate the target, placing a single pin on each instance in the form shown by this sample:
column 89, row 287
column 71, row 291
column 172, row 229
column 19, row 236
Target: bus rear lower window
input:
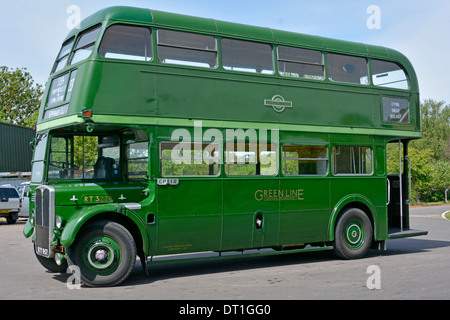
column 348, row 160
column 127, row 43
column 347, row 69
column 396, row 110
column 246, row 56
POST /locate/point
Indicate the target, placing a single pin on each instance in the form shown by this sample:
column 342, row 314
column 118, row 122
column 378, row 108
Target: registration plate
column 4, row 211
column 42, row 251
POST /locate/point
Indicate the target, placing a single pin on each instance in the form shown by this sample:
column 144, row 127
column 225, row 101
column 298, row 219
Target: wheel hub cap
column 354, row 235
column 101, row 255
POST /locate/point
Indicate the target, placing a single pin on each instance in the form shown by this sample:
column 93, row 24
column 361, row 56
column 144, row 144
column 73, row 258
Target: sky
column 31, row 31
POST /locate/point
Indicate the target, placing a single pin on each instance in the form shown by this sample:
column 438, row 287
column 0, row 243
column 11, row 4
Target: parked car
column 23, row 193
column 10, row 203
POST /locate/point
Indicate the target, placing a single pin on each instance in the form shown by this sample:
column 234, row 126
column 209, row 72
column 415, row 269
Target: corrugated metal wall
column 15, row 148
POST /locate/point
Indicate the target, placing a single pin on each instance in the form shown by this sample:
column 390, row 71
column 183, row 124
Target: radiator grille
column 44, row 217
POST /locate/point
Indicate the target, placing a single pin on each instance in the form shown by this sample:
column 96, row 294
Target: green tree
column 430, row 156
column 20, row 97
column 421, row 170
column 436, row 129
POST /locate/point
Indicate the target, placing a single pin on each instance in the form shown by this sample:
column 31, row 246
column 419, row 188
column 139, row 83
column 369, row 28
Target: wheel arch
column 351, row 201
column 113, row 213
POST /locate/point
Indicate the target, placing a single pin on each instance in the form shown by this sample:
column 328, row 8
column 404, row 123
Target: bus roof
column 204, row 25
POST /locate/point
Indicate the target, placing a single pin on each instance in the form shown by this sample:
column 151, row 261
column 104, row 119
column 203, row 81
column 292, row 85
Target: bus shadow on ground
column 409, row 245
column 180, row 269
column 163, row 272
column 160, row 272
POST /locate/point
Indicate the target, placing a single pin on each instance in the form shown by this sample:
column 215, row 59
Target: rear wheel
column 353, row 234
column 105, row 252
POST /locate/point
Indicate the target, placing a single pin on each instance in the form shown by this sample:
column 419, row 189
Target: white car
column 23, row 192
column 10, row 203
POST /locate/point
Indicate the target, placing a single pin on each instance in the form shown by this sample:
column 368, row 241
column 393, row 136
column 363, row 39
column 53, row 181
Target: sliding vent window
column 63, row 55
column 305, row 160
column 389, row 75
column 246, row 56
column 301, row 63
column 179, row 159
column 251, row 159
column 187, row 49
column 85, row 45
column 349, row 160
column 126, row 43
column 347, row 69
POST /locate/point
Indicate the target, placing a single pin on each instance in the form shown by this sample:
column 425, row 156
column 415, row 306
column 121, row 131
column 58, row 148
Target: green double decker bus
column 163, row 134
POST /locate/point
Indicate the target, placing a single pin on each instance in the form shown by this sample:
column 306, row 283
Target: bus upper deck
column 127, row 61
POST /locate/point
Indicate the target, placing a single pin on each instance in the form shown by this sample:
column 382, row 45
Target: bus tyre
column 105, row 252
column 353, row 234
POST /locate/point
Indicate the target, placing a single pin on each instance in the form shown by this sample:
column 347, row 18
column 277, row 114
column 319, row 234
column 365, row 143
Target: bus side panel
column 304, row 210
column 123, row 89
column 189, row 216
column 243, row 205
column 327, row 107
column 200, row 97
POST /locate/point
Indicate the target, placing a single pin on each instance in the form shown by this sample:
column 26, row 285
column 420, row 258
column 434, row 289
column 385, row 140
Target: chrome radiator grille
column 45, row 220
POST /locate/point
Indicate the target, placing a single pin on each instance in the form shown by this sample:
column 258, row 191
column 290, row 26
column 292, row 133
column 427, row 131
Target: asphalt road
column 414, row 268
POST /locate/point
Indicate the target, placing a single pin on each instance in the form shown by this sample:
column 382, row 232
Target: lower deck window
column 352, row 160
column 137, row 160
column 305, row 160
column 84, row 157
column 250, row 159
column 189, row 159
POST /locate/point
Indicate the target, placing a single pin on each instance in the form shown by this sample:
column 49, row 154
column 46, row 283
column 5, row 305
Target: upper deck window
column 127, row 43
column 246, row 56
column 63, row 55
column 84, row 45
column 187, row 49
column 347, row 69
column 301, row 63
column 389, row 75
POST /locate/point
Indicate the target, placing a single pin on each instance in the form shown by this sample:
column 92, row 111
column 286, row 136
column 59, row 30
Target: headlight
column 58, row 222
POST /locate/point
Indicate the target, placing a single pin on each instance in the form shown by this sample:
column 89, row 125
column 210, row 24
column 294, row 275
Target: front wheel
column 105, row 252
column 353, row 234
